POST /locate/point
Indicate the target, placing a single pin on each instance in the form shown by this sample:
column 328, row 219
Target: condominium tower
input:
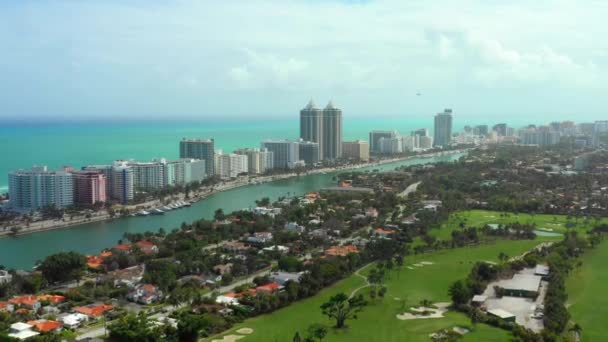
column 203, row 149
column 311, row 125
column 38, row 187
column 443, row 128
column 323, row 127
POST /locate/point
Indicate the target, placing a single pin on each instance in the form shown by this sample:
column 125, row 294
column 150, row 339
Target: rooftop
column 501, row 313
column 525, row 282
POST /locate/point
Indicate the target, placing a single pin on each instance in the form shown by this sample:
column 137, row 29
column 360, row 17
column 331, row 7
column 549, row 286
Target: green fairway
column 479, row 218
column 585, row 287
column 378, row 321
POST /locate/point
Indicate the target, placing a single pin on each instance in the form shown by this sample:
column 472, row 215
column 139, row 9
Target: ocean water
column 78, row 144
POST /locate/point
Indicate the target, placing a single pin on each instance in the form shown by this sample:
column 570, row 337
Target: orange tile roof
column 44, row 326
column 3, row 305
column 105, row 254
column 24, row 300
column 144, row 243
column 341, row 251
column 268, row 287
column 94, row 310
column 94, row 261
column 123, row 247
column 21, row 311
column 52, row 298
column 384, row 231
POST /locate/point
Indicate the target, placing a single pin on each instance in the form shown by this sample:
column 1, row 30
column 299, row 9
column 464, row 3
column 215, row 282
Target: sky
column 157, row 59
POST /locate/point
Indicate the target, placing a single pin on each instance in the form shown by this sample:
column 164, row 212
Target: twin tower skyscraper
column 323, row 127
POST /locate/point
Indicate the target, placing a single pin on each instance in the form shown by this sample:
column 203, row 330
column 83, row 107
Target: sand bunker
column 419, row 265
column 460, row 330
column 410, row 268
column 427, row 263
column 437, row 312
column 245, row 331
column 229, row 338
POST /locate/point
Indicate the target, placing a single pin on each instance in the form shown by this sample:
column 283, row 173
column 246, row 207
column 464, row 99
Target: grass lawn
column 586, row 289
column 378, row 321
column 479, row 218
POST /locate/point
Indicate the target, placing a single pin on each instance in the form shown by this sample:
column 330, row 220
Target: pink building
column 89, row 187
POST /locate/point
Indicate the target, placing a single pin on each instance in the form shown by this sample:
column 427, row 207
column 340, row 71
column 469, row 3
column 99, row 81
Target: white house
column 5, row 277
column 73, row 321
column 22, row 331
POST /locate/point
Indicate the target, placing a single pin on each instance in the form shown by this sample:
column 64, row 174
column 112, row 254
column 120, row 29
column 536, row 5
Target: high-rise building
column 285, row 153
column 501, row 129
column 422, row 132
column 391, row 145
column 258, row 160
column 149, row 175
column 203, row 149
column 443, row 128
column 123, row 182
column 311, row 125
column 230, row 165
column 541, row 136
column 480, row 130
column 332, row 132
column 38, row 187
column 357, row 150
column 425, row 142
column 309, row 152
column 410, row 143
column 375, row 136
column 89, row 187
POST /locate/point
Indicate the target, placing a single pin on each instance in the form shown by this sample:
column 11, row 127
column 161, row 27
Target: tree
column 134, row 328
column 189, row 327
column 577, row 329
column 63, row 266
column 219, row 215
column 318, row 331
column 341, row 308
column 503, row 257
column 297, row 338
column 460, row 292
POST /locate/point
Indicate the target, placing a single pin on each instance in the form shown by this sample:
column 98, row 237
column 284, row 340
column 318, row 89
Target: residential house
column 147, row 247
column 94, row 311
column 51, row 299
column 28, row 302
column 22, row 331
column 223, row 269
column 276, row 248
column 123, row 248
column 340, row 250
column 235, row 247
column 260, row 238
column 384, row 233
column 269, row 288
column 371, row 212
column 6, row 307
column 145, row 294
column 282, row 278
column 294, row 227
column 73, row 321
column 129, row 276
column 45, row 326
column 5, row 277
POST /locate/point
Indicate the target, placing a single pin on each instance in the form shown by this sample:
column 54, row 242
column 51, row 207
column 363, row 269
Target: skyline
column 187, row 60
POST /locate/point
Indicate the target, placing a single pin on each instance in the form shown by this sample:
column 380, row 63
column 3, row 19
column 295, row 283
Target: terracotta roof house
column 54, row 299
column 122, row 248
column 384, row 233
column 27, row 302
column 46, row 326
column 341, row 250
column 6, row 307
column 223, row 269
column 269, row 288
column 147, row 247
column 94, row 310
column 145, row 294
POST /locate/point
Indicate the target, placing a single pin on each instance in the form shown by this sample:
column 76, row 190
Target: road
column 411, row 188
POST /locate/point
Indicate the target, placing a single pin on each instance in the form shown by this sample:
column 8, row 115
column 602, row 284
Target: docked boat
column 142, row 213
column 166, row 208
column 156, row 211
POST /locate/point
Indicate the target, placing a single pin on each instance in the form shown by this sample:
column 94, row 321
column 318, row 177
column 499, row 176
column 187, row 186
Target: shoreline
column 207, row 192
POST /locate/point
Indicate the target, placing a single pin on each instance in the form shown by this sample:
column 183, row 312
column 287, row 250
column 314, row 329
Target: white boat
column 142, row 213
column 166, row 208
column 156, row 211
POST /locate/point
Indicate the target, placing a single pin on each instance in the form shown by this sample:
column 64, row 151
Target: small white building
column 225, row 300
column 73, row 321
column 5, row 277
column 22, row 331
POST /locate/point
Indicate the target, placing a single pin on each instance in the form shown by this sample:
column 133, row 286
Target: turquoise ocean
column 23, row 145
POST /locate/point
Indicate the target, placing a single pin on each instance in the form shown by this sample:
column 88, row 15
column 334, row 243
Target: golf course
column 585, row 287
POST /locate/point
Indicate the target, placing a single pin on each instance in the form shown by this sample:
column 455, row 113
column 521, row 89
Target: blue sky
column 544, row 59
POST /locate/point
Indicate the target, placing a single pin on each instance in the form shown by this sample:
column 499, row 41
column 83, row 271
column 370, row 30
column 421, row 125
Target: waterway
column 23, row 251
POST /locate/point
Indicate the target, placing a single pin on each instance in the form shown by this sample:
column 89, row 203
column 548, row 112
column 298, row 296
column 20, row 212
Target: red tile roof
column 44, row 326
column 52, row 298
column 94, row 310
column 268, row 287
column 123, row 247
column 28, row 300
column 341, row 251
column 384, row 231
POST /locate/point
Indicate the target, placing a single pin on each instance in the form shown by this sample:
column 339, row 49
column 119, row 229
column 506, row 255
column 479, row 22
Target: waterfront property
column 355, row 150
column 39, row 187
column 203, row 149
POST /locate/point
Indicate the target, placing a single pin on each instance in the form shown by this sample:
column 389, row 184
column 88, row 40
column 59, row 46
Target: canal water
column 22, row 252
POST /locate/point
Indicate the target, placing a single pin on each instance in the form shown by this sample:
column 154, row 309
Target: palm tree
column 576, row 329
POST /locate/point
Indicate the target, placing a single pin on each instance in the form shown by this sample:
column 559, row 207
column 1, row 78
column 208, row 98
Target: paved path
column 367, row 284
column 411, row 188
